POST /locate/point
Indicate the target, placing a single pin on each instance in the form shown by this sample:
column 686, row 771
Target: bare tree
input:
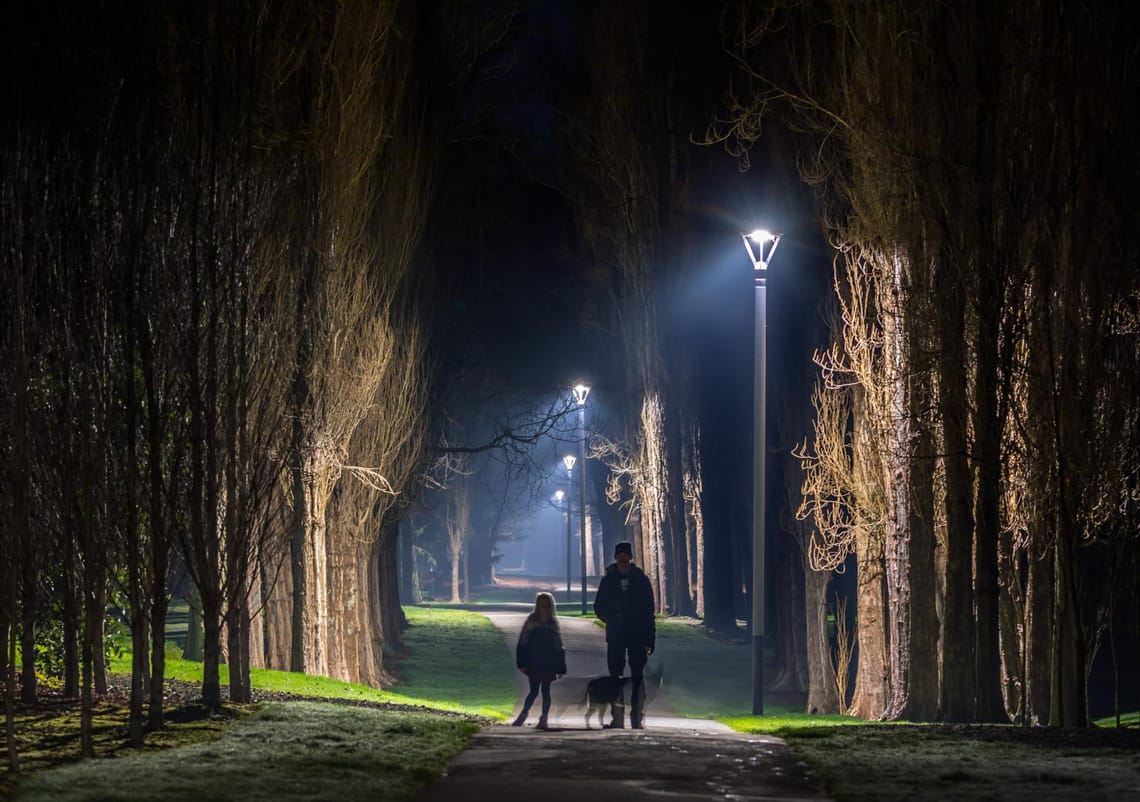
column 919, row 118
column 631, row 199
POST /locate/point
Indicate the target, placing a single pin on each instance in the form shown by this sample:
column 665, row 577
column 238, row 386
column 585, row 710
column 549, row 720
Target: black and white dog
column 607, row 693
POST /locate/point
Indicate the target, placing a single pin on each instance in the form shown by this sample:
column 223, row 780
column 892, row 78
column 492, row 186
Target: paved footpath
column 674, row 759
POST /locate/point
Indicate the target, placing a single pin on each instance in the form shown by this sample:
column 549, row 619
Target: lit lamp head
column 581, row 390
column 761, row 244
column 559, row 495
column 569, row 461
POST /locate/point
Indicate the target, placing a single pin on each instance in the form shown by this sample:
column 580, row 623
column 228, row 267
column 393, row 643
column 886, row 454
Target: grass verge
column 285, row 751
column 710, row 677
column 457, row 660
column 455, row 663
column 960, row 763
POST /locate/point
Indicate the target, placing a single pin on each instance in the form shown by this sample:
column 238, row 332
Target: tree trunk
column 872, row 687
column 1067, row 682
column 70, row 623
column 277, row 584
column 987, row 437
column 211, row 654
column 680, row 594
column 456, row 558
column 791, row 670
column 99, row 632
column 695, row 525
column 298, row 566
column 28, row 611
column 92, row 644
column 237, row 637
column 316, row 614
column 194, row 648
column 155, row 713
column 406, row 571
column 387, row 608
column 957, row 641
column 8, row 618
column 1038, row 627
column 256, row 609
column 140, row 673
column 921, row 702
column 823, row 693
column 1012, row 640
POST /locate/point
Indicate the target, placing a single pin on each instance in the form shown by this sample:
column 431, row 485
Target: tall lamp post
column 580, row 392
column 568, row 461
column 760, row 245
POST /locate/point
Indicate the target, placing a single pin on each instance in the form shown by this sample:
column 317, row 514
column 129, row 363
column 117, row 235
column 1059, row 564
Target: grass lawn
column 457, row 660
column 294, row 750
column 960, row 763
column 709, row 677
column 455, row 663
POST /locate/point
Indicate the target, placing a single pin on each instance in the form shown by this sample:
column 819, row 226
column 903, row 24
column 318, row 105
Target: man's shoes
column 637, row 724
column 542, row 724
column 518, row 722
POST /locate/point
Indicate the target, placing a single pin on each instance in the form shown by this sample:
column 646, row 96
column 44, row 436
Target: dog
column 608, row 693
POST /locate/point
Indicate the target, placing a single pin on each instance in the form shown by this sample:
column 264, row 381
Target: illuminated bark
column 872, row 696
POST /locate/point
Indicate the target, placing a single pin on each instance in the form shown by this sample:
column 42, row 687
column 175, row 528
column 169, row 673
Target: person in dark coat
column 624, row 602
column 540, row 656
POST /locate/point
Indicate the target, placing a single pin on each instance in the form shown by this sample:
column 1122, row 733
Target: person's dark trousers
column 615, row 660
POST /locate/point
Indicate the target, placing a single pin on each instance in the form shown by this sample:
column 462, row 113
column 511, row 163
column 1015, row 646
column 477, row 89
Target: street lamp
column 569, row 461
column 760, row 245
column 580, row 392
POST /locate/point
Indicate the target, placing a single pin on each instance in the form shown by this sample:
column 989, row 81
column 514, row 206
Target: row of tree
column 214, row 360
column 977, row 429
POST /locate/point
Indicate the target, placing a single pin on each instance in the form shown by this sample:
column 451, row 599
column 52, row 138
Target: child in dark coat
column 540, row 655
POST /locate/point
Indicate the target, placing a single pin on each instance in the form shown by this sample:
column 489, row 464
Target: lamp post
column 568, row 461
column 580, row 392
column 559, row 497
column 760, row 245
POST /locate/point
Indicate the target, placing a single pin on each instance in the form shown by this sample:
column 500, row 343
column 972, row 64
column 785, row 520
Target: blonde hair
column 546, row 600
column 549, row 599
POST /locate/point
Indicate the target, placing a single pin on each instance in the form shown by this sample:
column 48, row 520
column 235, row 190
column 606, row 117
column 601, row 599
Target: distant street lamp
column 580, row 392
column 760, row 245
column 568, row 461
